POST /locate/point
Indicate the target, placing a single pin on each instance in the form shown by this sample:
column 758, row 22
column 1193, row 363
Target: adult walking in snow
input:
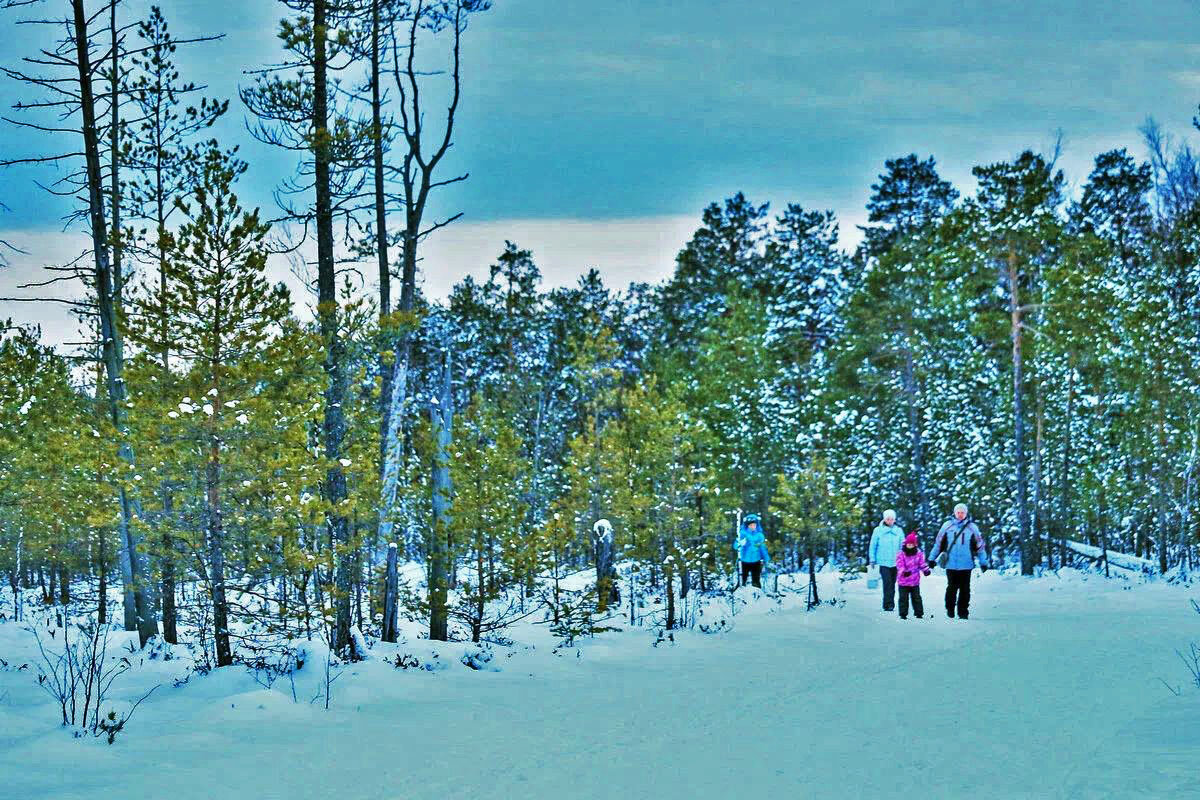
column 957, row 546
column 910, row 566
column 752, row 550
column 885, row 544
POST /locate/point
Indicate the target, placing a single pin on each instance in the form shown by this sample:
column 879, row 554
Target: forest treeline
column 238, row 468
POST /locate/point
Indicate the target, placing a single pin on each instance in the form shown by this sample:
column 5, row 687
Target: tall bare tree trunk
column 334, row 428
column 416, row 172
column 386, row 324
column 133, row 563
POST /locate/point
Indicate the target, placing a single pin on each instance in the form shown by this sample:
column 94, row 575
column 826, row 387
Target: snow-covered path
column 1052, row 689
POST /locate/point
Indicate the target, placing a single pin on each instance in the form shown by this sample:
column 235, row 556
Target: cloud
column 1188, row 79
column 624, row 250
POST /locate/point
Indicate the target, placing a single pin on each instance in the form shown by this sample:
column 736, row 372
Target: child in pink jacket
column 910, row 566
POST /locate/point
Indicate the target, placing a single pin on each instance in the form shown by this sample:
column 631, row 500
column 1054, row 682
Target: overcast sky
column 595, row 133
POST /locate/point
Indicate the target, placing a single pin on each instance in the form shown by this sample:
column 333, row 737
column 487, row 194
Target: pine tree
column 725, row 254
column 1017, row 232
column 303, row 114
column 813, row 511
column 886, row 357
column 489, row 514
column 222, row 310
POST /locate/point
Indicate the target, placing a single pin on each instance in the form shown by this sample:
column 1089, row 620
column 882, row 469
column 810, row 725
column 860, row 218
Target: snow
column 1054, row 688
column 1115, row 559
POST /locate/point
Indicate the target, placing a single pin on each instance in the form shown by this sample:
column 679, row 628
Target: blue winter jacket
column 886, row 541
column 963, row 543
column 752, row 546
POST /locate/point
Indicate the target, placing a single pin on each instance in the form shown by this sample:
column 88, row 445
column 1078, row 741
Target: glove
column 927, row 572
column 984, row 567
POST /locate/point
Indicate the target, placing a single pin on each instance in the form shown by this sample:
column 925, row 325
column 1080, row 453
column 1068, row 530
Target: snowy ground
column 1053, row 689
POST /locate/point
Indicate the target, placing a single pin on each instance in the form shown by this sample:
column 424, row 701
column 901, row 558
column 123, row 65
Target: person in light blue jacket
column 752, row 549
column 886, row 540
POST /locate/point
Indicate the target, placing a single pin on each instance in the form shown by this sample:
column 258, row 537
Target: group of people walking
column 957, row 546
column 900, row 561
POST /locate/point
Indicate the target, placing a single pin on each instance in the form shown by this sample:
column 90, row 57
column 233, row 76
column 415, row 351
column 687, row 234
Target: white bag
column 873, row 576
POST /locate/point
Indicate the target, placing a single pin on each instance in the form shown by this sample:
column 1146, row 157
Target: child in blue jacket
column 752, row 550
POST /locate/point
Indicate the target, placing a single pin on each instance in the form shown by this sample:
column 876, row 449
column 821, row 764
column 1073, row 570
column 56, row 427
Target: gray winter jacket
column 957, row 538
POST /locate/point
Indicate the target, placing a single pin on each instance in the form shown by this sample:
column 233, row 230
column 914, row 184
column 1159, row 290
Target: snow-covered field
column 1054, row 688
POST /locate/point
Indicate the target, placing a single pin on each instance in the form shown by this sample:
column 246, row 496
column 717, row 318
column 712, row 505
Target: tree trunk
column 386, row 325
column 1185, row 515
column 133, row 563
column 669, row 581
column 334, row 427
column 814, row 598
column 607, row 590
column 15, row 580
column 114, row 176
column 216, row 557
column 170, row 611
column 102, row 588
column 1104, row 533
column 131, row 613
column 916, row 442
column 391, row 595
column 1038, row 522
column 1019, row 417
column 1064, row 499
column 441, row 416
column 480, row 598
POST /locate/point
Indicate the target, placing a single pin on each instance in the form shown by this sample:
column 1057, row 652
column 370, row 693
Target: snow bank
column 1115, row 559
column 778, row 703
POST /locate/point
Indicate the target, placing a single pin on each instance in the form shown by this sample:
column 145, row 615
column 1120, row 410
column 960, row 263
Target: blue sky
column 614, row 115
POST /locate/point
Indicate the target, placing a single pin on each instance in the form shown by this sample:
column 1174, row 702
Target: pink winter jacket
column 913, row 565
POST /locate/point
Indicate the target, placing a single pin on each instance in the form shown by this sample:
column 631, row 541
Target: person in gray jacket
column 885, row 544
column 957, row 546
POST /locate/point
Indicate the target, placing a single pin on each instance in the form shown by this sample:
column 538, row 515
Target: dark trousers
column 752, row 570
column 888, row 576
column 958, row 592
column 918, row 607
